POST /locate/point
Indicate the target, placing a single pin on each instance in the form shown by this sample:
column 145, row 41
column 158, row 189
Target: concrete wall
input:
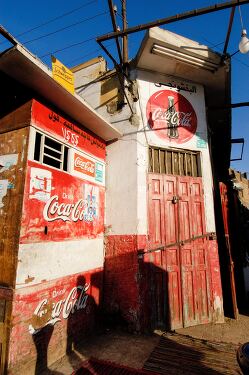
column 127, row 291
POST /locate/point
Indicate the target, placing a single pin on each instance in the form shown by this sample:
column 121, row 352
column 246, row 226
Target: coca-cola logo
column 82, row 210
column 84, row 165
column 172, row 116
column 52, row 312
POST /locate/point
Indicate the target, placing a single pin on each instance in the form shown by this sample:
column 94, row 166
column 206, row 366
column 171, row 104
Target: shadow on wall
column 41, row 340
column 135, row 294
column 135, row 298
column 82, row 321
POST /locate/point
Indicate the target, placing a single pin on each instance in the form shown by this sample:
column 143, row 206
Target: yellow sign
column 62, row 75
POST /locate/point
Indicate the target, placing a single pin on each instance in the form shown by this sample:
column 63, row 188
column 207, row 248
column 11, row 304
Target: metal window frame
column 175, row 154
column 43, row 153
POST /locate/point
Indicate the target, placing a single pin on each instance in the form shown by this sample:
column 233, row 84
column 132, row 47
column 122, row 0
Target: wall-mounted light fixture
column 184, row 57
column 244, row 42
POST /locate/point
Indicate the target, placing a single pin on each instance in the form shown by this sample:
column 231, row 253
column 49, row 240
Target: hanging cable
column 56, row 18
column 64, row 28
column 241, row 20
column 67, row 47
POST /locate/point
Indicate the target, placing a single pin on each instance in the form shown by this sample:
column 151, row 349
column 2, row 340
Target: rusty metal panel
column 225, row 216
column 16, row 119
column 13, row 156
column 5, row 311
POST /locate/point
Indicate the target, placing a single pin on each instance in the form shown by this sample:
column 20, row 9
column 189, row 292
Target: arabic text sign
column 62, row 75
column 67, row 131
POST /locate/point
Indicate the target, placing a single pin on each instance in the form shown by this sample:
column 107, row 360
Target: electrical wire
column 56, row 18
column 65, row 28
column 241, row 20
column 87, row 54
column 67, row 47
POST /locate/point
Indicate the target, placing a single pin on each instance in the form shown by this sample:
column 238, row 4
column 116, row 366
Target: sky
column 68, row 31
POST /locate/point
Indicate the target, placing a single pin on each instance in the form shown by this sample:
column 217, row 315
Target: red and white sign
column 58, row 206
column 84, row 165
column 68, row 132
column 172, row 116
column 67, row 305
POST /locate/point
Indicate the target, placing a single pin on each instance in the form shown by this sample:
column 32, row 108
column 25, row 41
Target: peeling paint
column 29, row 279
column 218, row 310
column 7, row 161
column 3, row 190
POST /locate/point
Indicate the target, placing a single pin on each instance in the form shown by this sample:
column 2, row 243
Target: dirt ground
column 133, row 350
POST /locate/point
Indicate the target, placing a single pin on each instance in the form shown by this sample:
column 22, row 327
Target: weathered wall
column 129, row 157
column 13, row 157
column 131, row 295
column 60, row 258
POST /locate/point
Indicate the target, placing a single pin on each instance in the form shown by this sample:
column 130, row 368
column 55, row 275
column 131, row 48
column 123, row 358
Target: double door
column 177, row 234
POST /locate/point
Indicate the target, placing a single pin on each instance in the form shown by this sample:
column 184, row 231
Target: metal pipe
column 119, row 73
column 229, row 106
column 228, row 32
column 114, row 24
column 125, row 37
column 171, row 19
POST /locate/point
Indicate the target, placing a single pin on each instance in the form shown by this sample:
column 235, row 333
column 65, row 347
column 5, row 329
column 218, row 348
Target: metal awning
column 20, row 64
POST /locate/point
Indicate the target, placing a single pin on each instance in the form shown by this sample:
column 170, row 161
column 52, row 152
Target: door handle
column 175, row 199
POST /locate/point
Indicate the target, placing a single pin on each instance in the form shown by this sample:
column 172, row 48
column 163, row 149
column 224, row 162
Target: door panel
column 172, row 253
column 156, row 211
column 178, row 201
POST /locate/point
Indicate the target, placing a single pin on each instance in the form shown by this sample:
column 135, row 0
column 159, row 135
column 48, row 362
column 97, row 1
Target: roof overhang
column 20, row 64
column 168, row 53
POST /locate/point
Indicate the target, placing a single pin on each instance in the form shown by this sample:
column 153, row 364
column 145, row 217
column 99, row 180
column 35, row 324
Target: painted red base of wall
column 51, row 318
column 135, row 286
column 125, row 280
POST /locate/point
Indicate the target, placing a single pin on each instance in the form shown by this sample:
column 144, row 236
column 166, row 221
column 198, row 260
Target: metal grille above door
column 175, row 162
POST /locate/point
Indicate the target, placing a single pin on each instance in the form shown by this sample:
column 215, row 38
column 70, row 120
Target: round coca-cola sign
column 171, row 116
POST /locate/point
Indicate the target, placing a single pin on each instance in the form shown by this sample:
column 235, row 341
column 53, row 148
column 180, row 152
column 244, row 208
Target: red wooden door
column 180, row 218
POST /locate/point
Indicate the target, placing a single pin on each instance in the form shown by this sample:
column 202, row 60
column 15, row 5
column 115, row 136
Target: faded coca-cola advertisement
column 171, row 116
column 58, row 206
column 65, row 307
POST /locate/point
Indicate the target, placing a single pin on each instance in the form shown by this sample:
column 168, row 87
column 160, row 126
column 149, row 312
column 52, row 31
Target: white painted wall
column 147, row 137
column 42, row 261
column 121, row 184
column 127, row 159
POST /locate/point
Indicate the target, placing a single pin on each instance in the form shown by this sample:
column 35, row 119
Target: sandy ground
column 133, row 350
column 232, row 331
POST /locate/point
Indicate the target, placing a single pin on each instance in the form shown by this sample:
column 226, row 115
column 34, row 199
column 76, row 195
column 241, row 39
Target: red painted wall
column 125, row 279
column 66, row 131
column 135, row 285
column 48, row 318
column 58, row 206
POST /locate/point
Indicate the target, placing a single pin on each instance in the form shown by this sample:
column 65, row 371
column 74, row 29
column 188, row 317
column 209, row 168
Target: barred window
column 175, row 162
column 51, row 152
